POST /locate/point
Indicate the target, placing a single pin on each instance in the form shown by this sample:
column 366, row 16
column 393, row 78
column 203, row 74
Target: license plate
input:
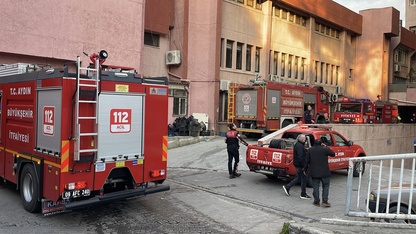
column 76, row 193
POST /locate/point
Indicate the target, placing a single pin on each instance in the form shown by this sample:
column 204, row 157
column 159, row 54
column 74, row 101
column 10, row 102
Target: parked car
column 393, row 202
column 276, row 159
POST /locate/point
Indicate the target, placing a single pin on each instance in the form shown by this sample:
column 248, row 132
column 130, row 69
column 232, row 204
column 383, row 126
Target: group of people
column 311, row 163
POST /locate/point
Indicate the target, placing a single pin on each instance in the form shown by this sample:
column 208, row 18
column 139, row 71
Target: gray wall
column 380, row 139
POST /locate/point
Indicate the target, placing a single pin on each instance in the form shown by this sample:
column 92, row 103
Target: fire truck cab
column 70, row 139
column 364, row 111
column 268, row 106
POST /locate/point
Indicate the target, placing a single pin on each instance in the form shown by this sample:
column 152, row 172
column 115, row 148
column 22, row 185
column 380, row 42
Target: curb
column 178, row 141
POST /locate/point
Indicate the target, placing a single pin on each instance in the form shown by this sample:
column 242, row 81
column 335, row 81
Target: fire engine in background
column 363, row 111
column 267, row 106
column 69, row 140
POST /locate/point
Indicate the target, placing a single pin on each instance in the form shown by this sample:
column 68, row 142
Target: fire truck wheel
column 29, row 189
column 286, row 123
column 359, row 167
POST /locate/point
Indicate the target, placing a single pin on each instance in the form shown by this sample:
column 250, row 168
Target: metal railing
column 386, row 191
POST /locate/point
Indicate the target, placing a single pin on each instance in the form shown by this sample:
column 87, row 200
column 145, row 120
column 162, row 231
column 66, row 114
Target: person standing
column 299, row 155
column 308, row 115
column 232, row 139
column 316, row 166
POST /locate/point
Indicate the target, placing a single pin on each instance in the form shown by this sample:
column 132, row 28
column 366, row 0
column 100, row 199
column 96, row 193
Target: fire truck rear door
column 120, row 128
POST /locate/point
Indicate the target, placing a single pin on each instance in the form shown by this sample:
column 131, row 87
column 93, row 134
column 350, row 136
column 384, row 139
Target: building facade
column 202, row 46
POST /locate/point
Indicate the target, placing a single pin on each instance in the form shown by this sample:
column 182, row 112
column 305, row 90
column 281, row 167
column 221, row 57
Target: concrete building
column 202, row 46
column 410, row 8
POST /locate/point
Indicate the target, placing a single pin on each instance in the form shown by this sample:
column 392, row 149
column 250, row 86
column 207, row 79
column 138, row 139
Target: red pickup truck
column 276, row 158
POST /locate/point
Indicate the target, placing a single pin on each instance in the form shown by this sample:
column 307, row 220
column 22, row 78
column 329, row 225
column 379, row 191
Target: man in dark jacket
column 232, row 139
column 308, row 115
column 316, row 166
column 299, row 155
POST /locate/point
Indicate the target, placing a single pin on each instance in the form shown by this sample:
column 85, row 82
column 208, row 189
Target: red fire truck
column 72, row 139
column 268, row 106
column 363, row 111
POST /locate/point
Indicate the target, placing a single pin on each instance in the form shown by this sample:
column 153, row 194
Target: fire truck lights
column 76, row 185
column 157, row 173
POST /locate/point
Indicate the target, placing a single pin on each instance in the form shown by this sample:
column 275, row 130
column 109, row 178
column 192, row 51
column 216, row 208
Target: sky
column 357, row 5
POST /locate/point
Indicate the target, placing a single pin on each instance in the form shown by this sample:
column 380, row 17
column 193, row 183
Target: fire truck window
column 339, row 140
column 324, row 99
column 290, row 135
column 326, row 139
column 310, row 140
column 350, row 107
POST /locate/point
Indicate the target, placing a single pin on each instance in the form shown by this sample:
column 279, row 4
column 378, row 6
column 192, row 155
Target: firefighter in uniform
column 232, row 139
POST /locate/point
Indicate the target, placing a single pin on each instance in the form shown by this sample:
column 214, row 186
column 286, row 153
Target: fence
column 386, row 191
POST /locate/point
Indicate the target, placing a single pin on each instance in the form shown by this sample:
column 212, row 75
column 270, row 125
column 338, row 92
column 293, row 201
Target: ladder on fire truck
column 92, row 89
column 231, row 102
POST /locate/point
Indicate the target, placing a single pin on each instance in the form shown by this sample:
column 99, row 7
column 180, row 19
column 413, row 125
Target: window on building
column 328, row 30
column 297, row 21
column 151, row 39
column 250, row 3
column 413, row 29
column 282, row 65
column 222, row 53
column 291, row 16
column 316, row 26
column 289, row 66
column 229, row 54
column 223, row 107
column 296, row 67
column 332, row 74
column 322, row 73
column 240, row 1
column 275, row 62
column 277, row 11
column 337, row 34
column 316, row 71
column 257, row 60
column 180, row 102
column 412, row 2
column 258, row 4
column 239, row 58
column 400, row 56
column 303, row 21
column 399, row 80
column 284, row 14
column 248, row 57
column 336, row 75
column 326, row 73
column 322, row 28
column 302, row 69
column 350, row 75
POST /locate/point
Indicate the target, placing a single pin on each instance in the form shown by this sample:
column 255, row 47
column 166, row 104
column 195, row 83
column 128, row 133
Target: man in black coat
column 299, row 155
column 316, row 166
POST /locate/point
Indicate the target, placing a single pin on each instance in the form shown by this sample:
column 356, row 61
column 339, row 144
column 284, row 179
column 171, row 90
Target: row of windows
column 326, row 73
column 400, row 56
column 250, row 3
column 290, row 16
column 241, row 51
column 326, row 30
column 290, row 66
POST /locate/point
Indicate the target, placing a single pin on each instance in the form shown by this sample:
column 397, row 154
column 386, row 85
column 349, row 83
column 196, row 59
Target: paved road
column 202, row 199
